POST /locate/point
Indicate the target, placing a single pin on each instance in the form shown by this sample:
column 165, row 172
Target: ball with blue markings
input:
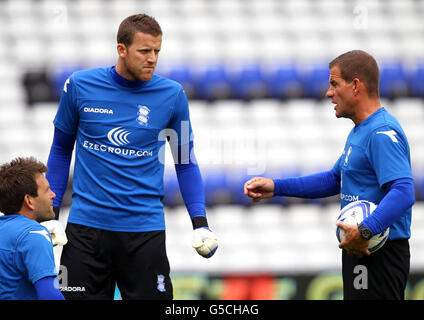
column 354, row 213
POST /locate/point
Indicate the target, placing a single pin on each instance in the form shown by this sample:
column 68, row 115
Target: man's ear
column 122, row 50
column 29, row 202
column 357, row 86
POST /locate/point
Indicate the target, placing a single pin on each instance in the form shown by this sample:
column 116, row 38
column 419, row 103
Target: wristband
column 199, row 222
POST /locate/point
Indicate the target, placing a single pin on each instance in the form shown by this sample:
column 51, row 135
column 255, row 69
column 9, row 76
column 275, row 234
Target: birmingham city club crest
column 143, row 115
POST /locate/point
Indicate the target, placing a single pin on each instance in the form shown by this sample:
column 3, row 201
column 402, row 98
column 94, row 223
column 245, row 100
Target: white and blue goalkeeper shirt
column 120, row 146
column 376, row 152
column 26, row 256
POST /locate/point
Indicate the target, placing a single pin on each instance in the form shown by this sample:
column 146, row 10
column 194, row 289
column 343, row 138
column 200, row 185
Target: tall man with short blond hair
column 119, row 118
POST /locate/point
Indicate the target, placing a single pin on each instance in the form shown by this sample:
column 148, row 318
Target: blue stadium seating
column 183, row 74
column 59, row 75
column 419, row 185
column 249, row 82
column 235, row 185
column 284, row 82
column 417, row 81
column 315, row 80
column 393, row 80
column 279, row 81
column 213, row 82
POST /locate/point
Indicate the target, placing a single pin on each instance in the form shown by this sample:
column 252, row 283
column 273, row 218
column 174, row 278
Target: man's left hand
column 353, row 242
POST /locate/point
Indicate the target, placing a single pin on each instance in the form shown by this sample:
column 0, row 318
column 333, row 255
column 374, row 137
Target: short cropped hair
column 359, row 64
column 17, row 179
column 137, row 23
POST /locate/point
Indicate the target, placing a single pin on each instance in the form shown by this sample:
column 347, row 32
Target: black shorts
column 382, row 275
column 94, row 260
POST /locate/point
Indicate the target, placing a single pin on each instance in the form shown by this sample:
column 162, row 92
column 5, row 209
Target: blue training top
column 26, row 256
column 121, row 127
column 376, row 152
column 375, row 166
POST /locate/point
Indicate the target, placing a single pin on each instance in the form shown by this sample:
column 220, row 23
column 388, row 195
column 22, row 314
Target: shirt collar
column 125, row 82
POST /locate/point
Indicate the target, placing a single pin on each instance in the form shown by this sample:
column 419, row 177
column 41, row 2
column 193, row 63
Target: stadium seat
column 227, row 114
column 25, row 44
column 419, row 184
column 417, row 81
column 236, row 178
column 248, row 82
column 59, row 75
column 315, row 80
column 225, row 217
column 213, row 82
column 216, row 187
column 199, row 114
column 270, row 216
column 263, row 114
column 284, row 82
column 65, row 51
column 393, row 80
column 411, row 47
column 179, row 219
column 184, row 75
column 204, row 48
column 18, row 9
column 89, row 8
column 408, row 110
column 122, row 8
column 301, row 111
column 38, row 87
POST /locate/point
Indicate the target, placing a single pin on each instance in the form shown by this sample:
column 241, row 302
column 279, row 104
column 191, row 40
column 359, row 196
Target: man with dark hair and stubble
column 27, row 266
column 119, row 118
column 375, row 166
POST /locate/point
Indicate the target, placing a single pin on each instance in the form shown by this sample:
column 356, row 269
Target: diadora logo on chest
column 98, row 110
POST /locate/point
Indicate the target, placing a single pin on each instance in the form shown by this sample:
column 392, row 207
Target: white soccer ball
column 354, row 213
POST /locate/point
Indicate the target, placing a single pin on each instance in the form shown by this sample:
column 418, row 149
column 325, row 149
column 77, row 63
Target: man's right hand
column 56, row 232
column 259, row 188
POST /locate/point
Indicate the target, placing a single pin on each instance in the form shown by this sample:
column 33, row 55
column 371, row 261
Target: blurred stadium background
column 255, row 72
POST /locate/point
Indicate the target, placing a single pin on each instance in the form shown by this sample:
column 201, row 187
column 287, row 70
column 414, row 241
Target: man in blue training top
column 375, row 166
column 27, row 266
column 119, row 118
